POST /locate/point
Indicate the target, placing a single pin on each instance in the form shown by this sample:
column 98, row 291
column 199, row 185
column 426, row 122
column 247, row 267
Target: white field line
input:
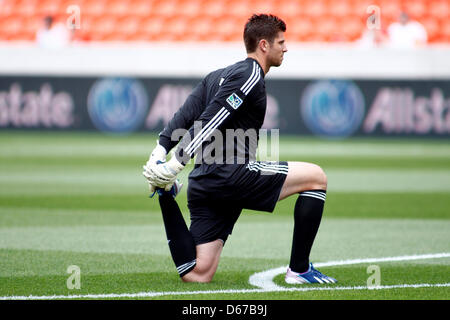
column 177, row 293
column 264, row 279
column 268, row 287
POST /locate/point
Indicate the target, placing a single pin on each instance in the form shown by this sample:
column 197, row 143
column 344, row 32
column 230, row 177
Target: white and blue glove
column 162, row 174
column 158, row 155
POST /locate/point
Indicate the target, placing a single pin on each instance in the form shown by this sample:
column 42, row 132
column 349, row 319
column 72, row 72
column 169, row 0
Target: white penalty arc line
column 264, row 279
column 269, row 286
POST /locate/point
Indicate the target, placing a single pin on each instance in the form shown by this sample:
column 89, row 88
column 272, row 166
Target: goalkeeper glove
column 163, row 175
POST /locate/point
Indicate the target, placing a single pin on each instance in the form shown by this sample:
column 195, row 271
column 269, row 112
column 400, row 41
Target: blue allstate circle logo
column 333, row 108
column 117, row 104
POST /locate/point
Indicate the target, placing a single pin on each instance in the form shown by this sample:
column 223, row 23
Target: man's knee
column 316, row 178
column 208, row 255
column 321, row 179
column 202, row 272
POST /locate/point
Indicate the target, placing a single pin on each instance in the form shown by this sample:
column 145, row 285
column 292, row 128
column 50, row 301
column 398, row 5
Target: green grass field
column 80, row 199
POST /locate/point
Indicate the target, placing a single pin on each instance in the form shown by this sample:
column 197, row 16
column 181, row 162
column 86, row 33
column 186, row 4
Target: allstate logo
column 117, row 104
column 332, row 108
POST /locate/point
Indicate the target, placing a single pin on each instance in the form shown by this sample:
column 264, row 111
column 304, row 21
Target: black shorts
column 216, row 200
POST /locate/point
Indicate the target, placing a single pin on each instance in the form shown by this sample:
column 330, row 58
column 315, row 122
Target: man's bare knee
column 208, row 255
column 321, row 179
column 203, row 272
column 303, row 176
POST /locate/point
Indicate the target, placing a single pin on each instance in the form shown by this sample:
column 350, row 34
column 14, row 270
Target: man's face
column 277, row 50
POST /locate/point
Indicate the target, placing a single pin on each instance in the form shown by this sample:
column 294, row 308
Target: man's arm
column 230, row 96
column 184, row 118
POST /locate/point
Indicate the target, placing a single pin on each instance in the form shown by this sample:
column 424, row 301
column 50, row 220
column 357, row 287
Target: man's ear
column 263, row 45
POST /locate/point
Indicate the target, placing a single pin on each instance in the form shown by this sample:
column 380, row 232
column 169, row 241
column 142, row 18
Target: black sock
column 307, row 216
column 181, row 243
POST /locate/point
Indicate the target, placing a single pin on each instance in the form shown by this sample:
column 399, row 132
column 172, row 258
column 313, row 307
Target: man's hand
column 162, row 175
column 158, row 155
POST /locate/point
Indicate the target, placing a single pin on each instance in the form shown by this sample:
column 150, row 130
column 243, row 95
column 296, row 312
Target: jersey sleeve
column 233, row 92
column 184, row 118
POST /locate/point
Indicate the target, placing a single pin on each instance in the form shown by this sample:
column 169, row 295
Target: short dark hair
column 261, row 26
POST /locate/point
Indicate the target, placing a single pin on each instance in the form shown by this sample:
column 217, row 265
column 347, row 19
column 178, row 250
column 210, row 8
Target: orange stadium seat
column 165, row 9
column 213, row 8
column 315, row 8
column 288, row 9
column 140, row 8
column 445, row 30
column 47, row 7
column 300, row 29
column 152, row 27
column 261, row 6
column 94, row 7
column 190, row 9
column 338, row 8
column 175, row 28
column 432, row 26
column 326, row 29
column 439, row 9
column 199, row 29
column 102, row 28
column 26, row 8
column 416, row 9
column 11, row 26
column 127, row 27
column 351, row 27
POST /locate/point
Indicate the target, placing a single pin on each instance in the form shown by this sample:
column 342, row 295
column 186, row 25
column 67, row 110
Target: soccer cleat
column 174, row 191
column 310, row 276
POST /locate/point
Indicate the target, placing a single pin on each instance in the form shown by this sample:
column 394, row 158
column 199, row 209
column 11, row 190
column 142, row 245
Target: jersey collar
column 262, row 70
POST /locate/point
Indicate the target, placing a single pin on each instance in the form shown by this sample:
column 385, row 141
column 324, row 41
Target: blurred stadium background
column 209, row 20
column 81, row 106
column 346, row 73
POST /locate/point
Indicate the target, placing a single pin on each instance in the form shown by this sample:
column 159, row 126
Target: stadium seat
column 213, row 8
column 11, row 26
column 26, row 8
column 165, row 9
column 239, row 9
column 189, row 9
column 199, row 29
column 300, row 29
column 127, row 27
column 102, row 28
column 47, row 7
column 117, row 8
column 327, row 28
column 289, row 9
column 94, row 7
column 152, row 27
column 445, row 30
column 315, row 8
column 351, row 27
column 390, row 10
column 175, row 28
column 416, row 9
column 338, row 8
column 432, row 26
column 261, row 6
column 140, row 8
column 439, row 9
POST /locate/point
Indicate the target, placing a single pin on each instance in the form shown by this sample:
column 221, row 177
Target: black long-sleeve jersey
column 230, row 98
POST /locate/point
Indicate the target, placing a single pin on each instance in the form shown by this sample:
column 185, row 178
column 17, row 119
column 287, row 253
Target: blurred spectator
column 406, row 33
column 52, row 35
